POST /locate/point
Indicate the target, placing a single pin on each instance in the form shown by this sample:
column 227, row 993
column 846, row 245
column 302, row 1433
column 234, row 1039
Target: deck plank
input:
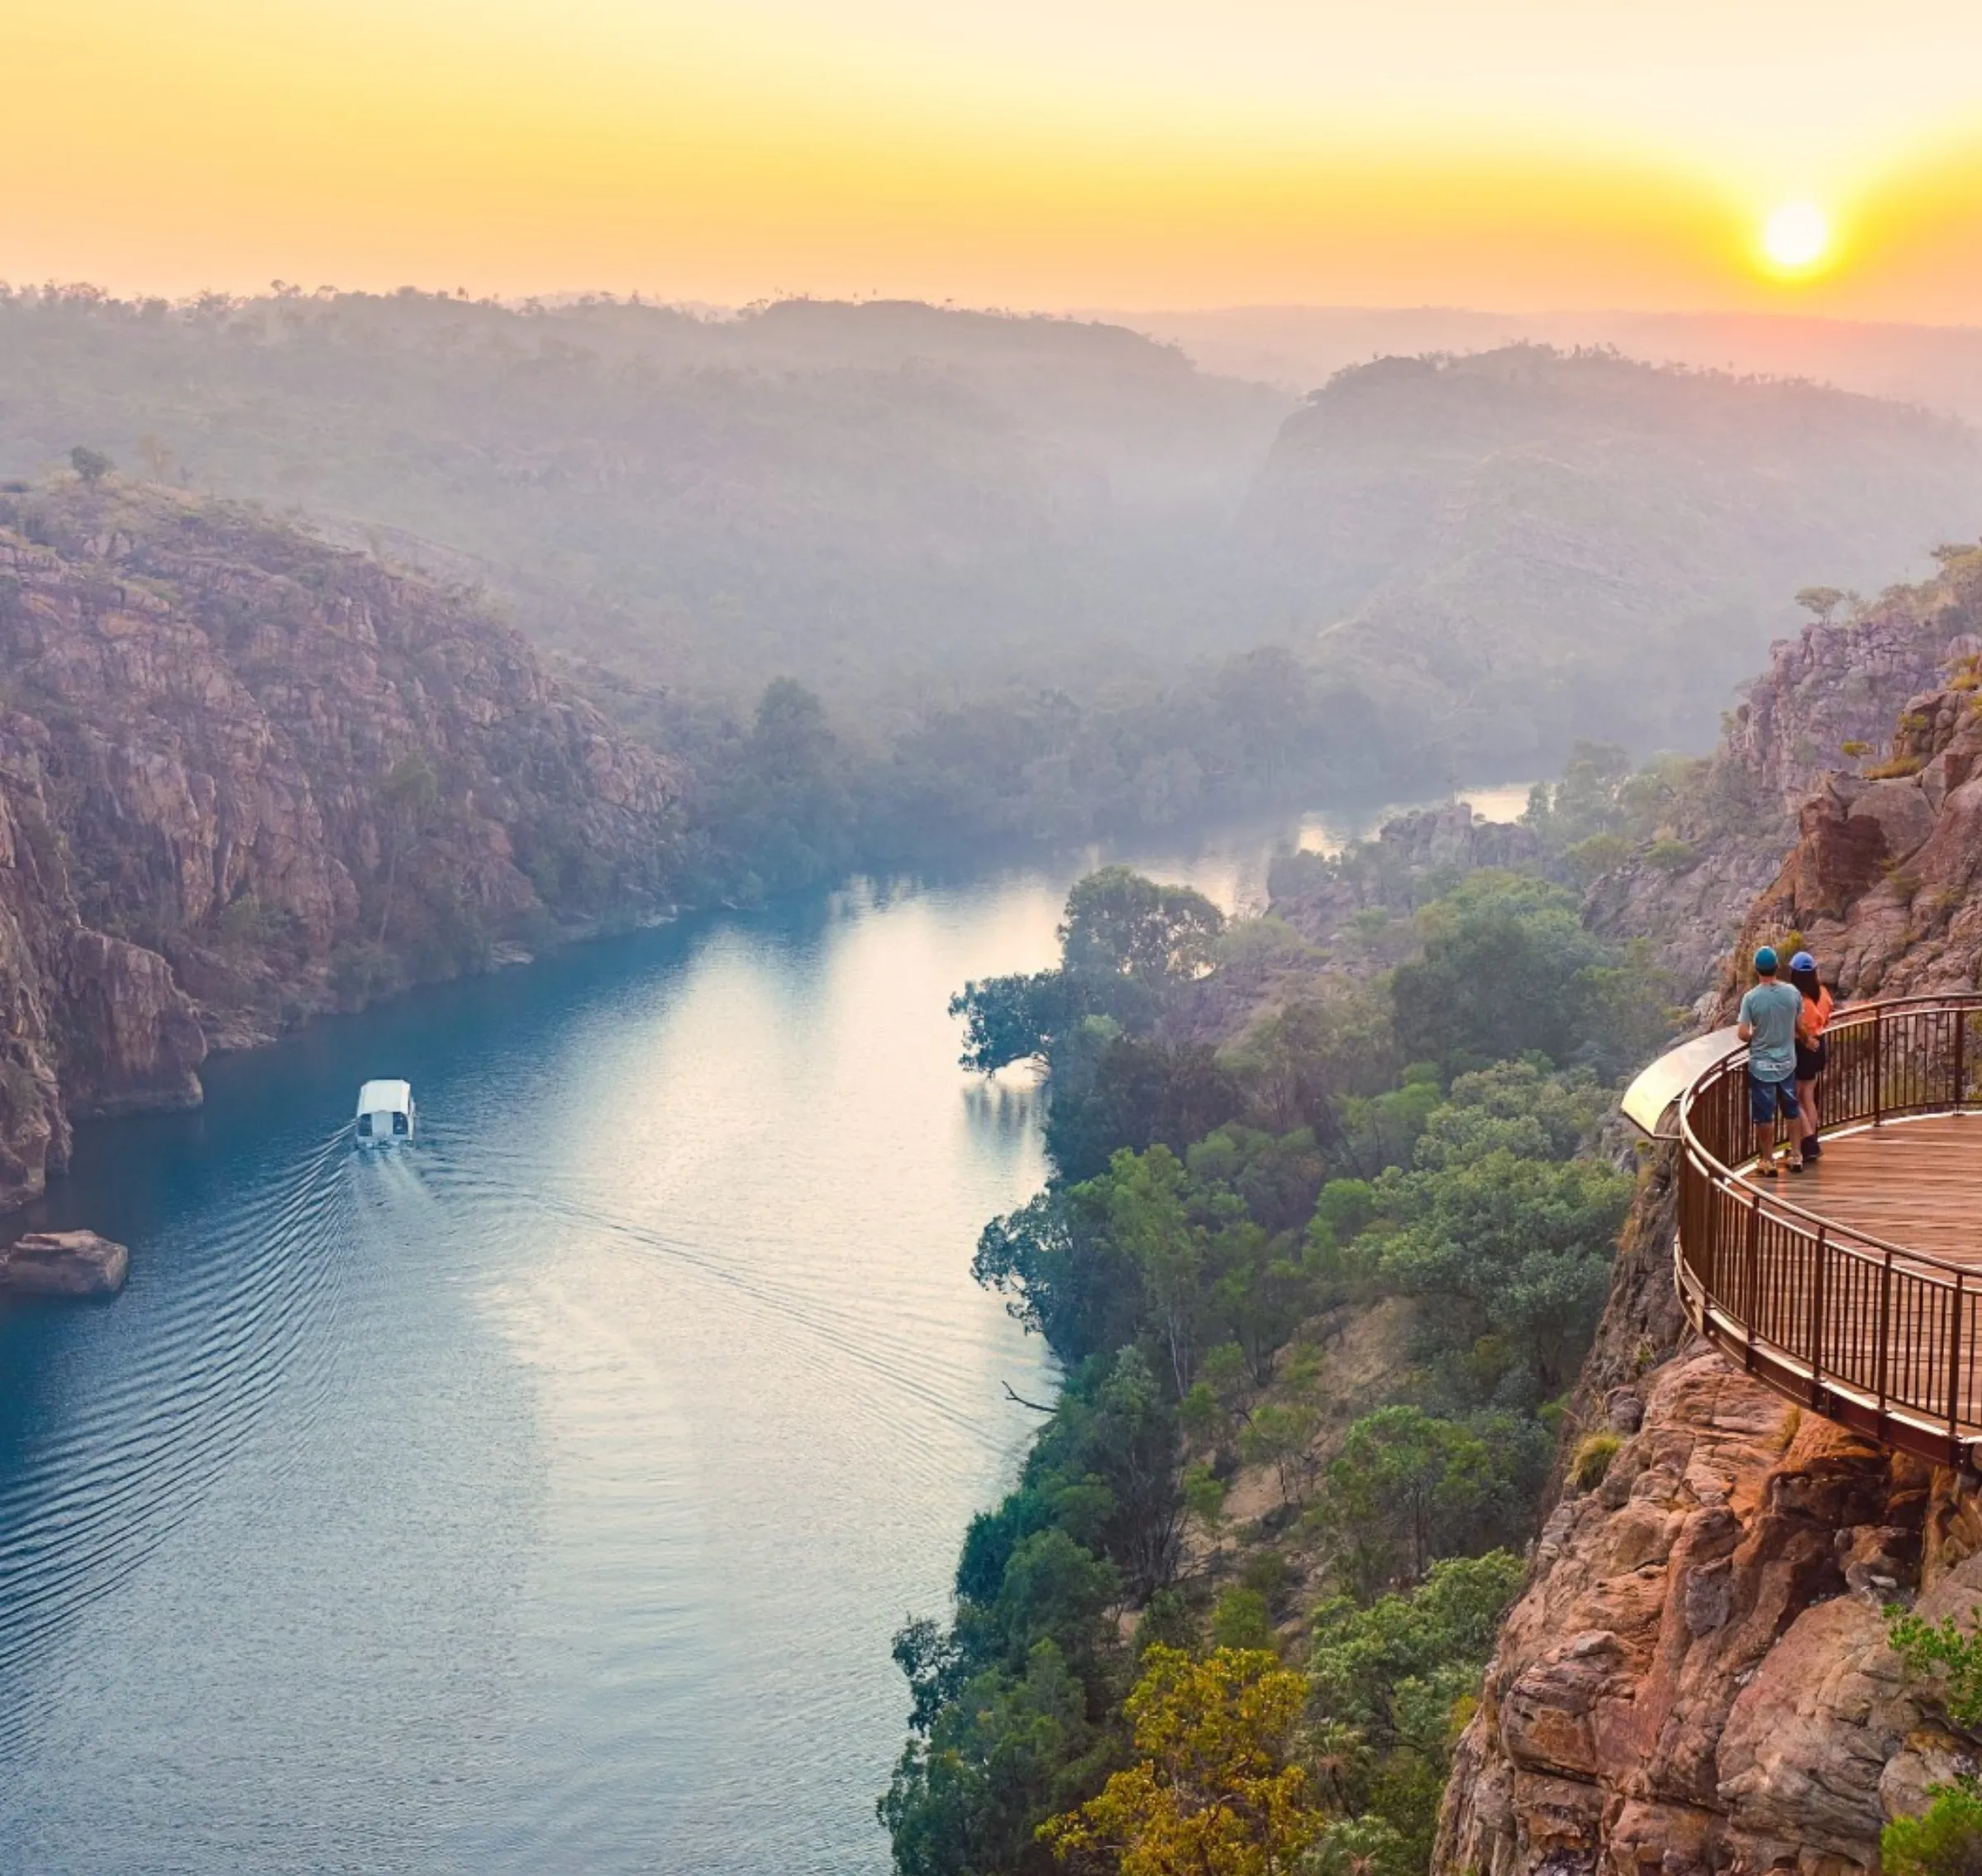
column 1914, row 1183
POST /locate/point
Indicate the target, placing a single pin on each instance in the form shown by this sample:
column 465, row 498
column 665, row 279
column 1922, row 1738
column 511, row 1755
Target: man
column 1767, row 1024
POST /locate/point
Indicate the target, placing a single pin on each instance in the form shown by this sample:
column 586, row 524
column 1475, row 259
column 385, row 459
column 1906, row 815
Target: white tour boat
column 385, row 1112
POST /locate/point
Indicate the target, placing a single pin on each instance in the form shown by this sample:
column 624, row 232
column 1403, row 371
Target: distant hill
column 1515, row 549
column 886, row 500
column 918, row 512
column 1299, row 347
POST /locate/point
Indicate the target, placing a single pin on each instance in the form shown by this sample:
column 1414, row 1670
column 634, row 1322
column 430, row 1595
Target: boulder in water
column 68, row 1263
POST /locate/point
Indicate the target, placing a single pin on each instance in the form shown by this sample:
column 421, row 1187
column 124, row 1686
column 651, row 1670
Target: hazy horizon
column 1541, row 156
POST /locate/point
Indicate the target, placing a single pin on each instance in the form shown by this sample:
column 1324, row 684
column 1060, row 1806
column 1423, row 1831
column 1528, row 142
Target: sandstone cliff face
column 1830, row 685
column 1881, row 882
column 245, row 778
column 1696, row 1676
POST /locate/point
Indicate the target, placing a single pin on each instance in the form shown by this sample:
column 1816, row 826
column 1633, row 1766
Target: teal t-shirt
column 1772, row 1010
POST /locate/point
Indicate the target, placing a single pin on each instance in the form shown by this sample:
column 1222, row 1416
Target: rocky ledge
column 68, row 1263
column 1697, row 1677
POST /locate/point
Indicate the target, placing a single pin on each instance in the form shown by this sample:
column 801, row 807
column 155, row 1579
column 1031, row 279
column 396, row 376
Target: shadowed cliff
column 245, row 778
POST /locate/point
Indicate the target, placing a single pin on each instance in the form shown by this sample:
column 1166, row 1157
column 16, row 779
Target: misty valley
column 1021, row 941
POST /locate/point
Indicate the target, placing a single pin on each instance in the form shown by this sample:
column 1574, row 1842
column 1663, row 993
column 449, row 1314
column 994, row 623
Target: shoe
column 1813, row 1149
column 1796, row 1165
column 1767, row 1171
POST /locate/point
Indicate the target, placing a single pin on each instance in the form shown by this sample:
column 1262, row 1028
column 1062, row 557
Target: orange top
column 1814, row 1016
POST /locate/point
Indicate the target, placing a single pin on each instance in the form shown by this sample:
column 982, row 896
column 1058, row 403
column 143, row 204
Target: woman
column 1812, row 1054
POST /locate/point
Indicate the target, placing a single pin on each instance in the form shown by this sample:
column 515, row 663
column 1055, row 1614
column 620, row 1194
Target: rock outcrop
column 1882, row 883
column 67, row 1264
column 1697, row 1678
column 1831, row 686
column 1412, row 858
column 246, row 777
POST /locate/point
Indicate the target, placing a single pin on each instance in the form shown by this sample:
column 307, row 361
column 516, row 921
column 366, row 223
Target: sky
column 1137, row 154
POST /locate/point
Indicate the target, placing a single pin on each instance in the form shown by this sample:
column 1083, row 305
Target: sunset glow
column 1796, row 238
column 1179, row 153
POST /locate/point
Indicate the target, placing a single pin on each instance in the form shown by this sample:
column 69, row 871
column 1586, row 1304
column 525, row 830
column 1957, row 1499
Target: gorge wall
column 245, row 778
column 1833, row 685
column 1697, row 1676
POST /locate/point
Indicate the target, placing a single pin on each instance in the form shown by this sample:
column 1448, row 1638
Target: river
column 542, row 1497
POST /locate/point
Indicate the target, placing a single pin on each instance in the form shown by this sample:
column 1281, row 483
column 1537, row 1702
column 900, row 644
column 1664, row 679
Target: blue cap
column 1765, row 960
column 1803, row 961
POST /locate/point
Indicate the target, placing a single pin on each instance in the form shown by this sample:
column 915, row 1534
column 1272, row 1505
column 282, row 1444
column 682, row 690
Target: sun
column 1796, row 238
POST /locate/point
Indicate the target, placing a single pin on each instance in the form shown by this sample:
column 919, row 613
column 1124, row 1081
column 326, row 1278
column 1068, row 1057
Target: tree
column 1135, row 1094
column 1061, row 1272
column 1405, row 1486
column 1519, row 1105
column 1011, row 1019
column 983, row 1769
column 1281, row 1435
column 1370, row 1660
column 1821, row 601
column 1502, row 974
column 783, row 806
column 1124, row 939
column 1150, row 1226
column 1945, row 1839
column 1519, row 1248
column 92, row 465
column 1214, row 1792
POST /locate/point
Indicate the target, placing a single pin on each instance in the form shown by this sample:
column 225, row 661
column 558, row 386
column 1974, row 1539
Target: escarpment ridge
column 246, row 777
column 1698, row 1675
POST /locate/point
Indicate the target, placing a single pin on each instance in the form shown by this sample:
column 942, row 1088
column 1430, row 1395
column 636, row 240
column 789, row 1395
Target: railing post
column 1886, row 1332
column 1751, row 1281
column 1817, row 1288
column 1954, row 1372
column 1877, row 1064
column 1960, row 1056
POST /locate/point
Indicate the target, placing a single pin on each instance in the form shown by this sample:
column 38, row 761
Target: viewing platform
column 1855, row 1287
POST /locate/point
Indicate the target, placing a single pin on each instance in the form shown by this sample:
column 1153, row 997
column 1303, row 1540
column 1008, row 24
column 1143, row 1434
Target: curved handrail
column 1866, row 1331
column 1738, row 1058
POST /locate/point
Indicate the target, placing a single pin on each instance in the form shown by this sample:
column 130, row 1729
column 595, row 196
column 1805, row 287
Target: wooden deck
column 1915, row 1183
column 1856, row 1287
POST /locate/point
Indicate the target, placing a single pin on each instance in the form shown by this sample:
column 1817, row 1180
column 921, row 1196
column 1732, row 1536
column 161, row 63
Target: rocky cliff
column 246, row 777
column 1696, row 1676
column 1832, row 686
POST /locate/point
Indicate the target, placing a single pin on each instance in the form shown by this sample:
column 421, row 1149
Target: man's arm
column 1743, row 1028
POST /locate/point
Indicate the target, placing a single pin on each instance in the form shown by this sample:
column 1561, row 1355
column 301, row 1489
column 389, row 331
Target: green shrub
column 1592, row 1461
column 1242, row 1621
column 1945, row 1839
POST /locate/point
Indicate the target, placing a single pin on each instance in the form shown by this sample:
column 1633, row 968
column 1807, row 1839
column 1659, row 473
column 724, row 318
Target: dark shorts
column 1811, row 1062
column 1766, row 1099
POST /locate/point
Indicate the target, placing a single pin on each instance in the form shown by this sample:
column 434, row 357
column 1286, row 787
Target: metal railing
column 1865, row 1332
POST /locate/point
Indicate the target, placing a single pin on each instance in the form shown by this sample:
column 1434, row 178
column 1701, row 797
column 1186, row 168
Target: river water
column 542, row 1497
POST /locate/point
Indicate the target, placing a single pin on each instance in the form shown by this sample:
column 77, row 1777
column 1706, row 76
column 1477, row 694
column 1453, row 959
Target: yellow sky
column 1171, row 153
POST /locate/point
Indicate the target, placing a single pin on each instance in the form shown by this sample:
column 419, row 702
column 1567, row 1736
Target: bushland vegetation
column 1217, row 1537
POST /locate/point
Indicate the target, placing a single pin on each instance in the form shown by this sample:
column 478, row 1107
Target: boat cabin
column 385, row 1112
